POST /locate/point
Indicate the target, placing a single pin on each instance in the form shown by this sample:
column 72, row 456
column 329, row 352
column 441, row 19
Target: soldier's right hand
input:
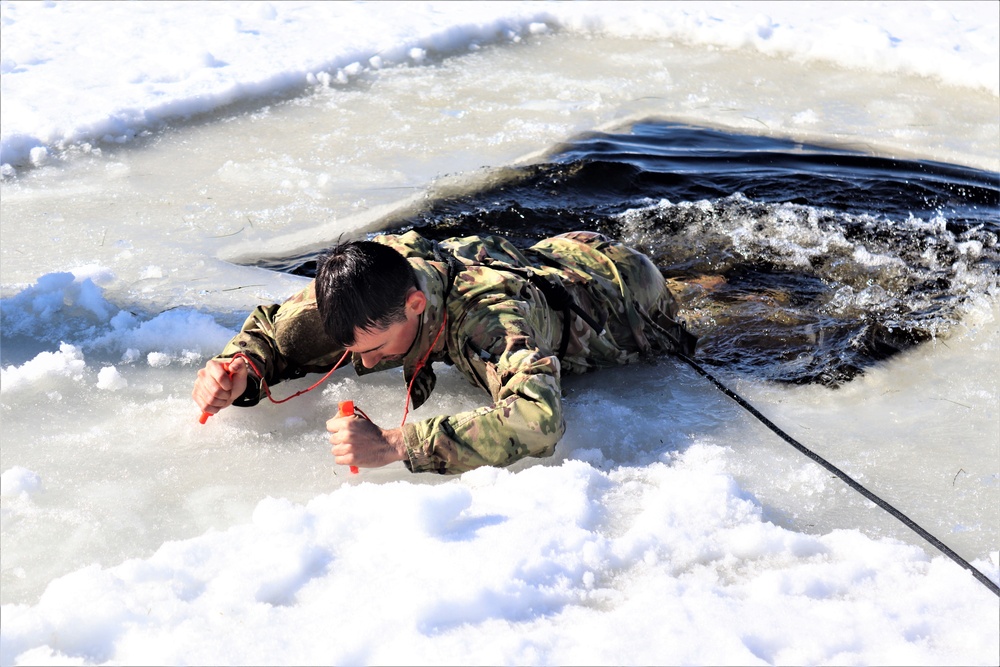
column 220, row 383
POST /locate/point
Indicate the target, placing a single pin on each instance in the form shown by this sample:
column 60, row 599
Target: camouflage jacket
column 501, row 332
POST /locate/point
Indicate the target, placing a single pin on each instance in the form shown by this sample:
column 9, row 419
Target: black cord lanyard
column 941, row 546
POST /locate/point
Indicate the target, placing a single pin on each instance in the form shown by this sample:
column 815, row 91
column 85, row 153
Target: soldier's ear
column 416, row 301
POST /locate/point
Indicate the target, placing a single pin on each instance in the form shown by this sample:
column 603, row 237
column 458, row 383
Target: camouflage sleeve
column 285, row 341
column 523, row 379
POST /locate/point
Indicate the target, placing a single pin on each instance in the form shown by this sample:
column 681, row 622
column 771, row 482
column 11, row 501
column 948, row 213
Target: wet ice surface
column 665, row 489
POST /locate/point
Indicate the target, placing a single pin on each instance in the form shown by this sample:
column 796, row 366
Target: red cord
column 420, row 367
column 267, row 390
column 204, row 415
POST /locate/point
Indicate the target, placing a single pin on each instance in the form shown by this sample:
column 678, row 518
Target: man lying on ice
column 513, row 322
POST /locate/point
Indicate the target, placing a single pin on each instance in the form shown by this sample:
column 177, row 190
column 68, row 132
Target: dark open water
column 793, row 262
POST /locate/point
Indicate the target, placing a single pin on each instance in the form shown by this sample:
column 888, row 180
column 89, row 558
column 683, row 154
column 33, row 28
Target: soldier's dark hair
column 361, row 285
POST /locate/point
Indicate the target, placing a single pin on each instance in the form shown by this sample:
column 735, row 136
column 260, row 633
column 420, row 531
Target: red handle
column 346, row 409
column 204, row 415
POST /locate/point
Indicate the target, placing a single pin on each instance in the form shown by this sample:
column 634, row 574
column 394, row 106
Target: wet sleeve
column 284, row 341
column 523, row 378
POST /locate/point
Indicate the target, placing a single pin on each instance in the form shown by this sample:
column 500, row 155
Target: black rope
column 941, row 546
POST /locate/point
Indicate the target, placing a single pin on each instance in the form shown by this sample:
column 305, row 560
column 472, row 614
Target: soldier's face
column 393, row 342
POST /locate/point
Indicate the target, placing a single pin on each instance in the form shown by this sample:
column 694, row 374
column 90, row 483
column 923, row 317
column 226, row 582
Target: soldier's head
column 368, row 299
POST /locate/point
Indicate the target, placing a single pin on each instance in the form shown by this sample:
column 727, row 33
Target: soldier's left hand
column 359, row 442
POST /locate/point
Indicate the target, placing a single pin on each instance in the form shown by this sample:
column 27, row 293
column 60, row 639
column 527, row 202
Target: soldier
column 512, row 320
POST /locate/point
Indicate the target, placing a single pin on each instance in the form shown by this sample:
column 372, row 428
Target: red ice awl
column 346, row 409
column 204, row 415
column 249, row 362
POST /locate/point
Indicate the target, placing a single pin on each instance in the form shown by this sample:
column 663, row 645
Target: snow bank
column 625, row 568
column 70, row 306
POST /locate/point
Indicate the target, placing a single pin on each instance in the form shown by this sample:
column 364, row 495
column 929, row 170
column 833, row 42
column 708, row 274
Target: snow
column 66, row 363
column 630, row 567
column 18, row 480
column 682, row 535
column 65, row 81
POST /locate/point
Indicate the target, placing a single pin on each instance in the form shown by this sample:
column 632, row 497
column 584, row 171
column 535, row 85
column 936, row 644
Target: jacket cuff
column 419, row 457
column 251, row 396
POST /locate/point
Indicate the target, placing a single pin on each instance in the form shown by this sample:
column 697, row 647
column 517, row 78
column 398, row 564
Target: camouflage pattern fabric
column 501, row 334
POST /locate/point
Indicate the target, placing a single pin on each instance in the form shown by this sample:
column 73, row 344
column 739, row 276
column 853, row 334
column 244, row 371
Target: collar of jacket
column 433, row 281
